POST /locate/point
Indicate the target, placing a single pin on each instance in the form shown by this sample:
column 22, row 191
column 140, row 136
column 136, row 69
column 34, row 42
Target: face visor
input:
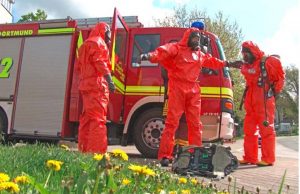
column 194, row 41
column 248, row 57
column 107, row 36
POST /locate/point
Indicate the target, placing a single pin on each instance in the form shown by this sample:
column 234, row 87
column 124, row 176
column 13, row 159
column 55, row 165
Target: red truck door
column 144, row 89
column 118, row 60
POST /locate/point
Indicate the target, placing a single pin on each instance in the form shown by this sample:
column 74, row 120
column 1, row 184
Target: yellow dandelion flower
column 10, row 187
column 21, row 179
column 172, row 192
column 194, row 181
column 117, row 168
column 185, row 191
column 135, row 168
column 120, row 153
column 65, row 147
column 141, row 170
column 107, row 156
column 147, row 171
column 182, row 180
column 54, row 165
column 4, row 177
column 126, row 181
column 2, row 186
column 98, row 157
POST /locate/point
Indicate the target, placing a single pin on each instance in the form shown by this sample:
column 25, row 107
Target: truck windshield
column 220, row 49
column 143, row 44
column 222, row 57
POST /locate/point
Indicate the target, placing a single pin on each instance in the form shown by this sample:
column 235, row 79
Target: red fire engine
column 39, row 97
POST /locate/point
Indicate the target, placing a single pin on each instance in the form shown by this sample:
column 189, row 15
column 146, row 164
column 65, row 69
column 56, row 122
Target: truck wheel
column 147, row 132
column 3, row 127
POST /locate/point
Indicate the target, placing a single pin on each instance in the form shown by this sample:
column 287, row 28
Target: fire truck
column 39, row 97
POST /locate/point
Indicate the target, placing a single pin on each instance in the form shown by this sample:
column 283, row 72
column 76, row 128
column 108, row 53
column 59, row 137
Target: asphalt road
column 291, row 142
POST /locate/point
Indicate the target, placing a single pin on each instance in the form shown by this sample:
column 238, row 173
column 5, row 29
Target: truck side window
column 120, row 45
column 222, row 57
column 206, row 48
column 143, row 44
column 204, row 44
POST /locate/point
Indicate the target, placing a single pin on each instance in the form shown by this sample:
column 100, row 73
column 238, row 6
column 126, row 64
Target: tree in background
column 288, row 102
column 229, row 33
column 38, row 15
column 230, row 36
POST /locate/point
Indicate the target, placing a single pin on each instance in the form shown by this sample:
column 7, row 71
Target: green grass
column 82, row 173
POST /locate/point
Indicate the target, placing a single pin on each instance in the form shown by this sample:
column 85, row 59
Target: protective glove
column 272, row 92
column 111, row 85
column 235, row 64
column 145, row 57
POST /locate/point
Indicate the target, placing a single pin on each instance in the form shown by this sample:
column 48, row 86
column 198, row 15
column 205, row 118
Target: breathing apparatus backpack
column 215, row 161
column 263, row 80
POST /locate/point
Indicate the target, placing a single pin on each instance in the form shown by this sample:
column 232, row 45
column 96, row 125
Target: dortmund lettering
column 16, row 33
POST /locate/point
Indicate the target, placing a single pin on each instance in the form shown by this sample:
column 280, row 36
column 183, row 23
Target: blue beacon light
column 198, row 24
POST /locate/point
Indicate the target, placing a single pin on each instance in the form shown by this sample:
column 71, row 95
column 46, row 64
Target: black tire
column 3, row 127
column 147, row 131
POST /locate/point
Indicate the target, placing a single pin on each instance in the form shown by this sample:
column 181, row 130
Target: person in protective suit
column 264, row 81
column 95, row 82
column 183, row 61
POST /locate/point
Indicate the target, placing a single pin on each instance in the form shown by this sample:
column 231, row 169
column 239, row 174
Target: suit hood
column 186, row 35
column 255, row 50
column 99, row 30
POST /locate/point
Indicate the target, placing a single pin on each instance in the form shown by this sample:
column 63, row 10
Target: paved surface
column 266, row 178
column 251, row 176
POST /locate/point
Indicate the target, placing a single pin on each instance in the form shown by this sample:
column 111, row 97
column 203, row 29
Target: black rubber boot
column 164, row 162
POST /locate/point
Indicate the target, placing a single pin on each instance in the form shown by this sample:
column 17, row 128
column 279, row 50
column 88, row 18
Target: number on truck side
column 7, row 62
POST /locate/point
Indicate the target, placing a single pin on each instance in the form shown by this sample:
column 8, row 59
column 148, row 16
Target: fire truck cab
column 39, row 97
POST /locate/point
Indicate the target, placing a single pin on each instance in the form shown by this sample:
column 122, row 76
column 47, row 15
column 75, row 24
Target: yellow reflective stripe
column 215, row 96
column 181, row 142
column 56, row 31
column 79, row 42
column 143, row 94
column 135, row 89
column 113, row 55
column 162, row 89
column 216, row 91
column 120, row 86
column 205, row 91
column 208, row 92
column 227, row 91
column 165, row 109
column 118, row 89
